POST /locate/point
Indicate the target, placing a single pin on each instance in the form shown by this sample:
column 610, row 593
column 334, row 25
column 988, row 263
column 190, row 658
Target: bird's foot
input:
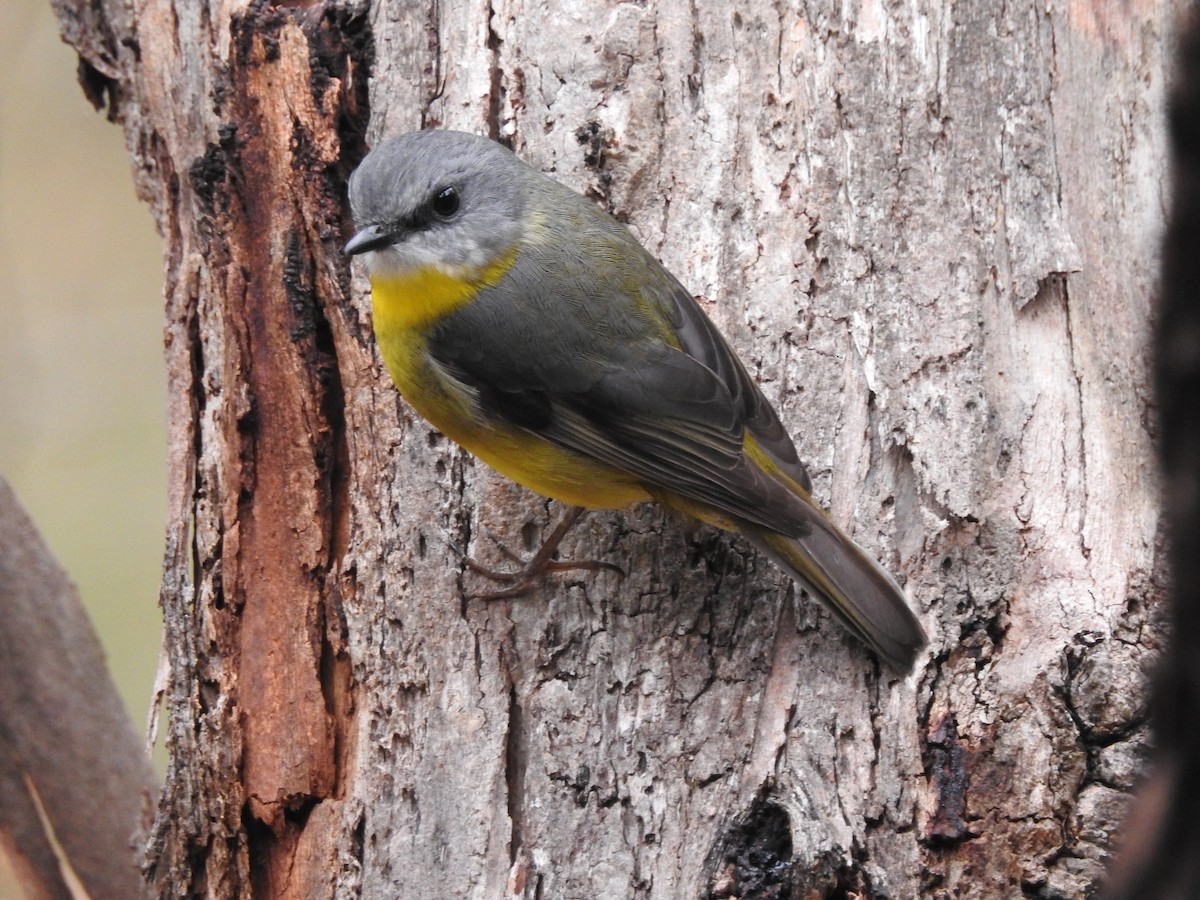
column 534, row 569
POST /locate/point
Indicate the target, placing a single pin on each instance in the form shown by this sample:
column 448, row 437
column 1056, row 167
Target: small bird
column 528, row 325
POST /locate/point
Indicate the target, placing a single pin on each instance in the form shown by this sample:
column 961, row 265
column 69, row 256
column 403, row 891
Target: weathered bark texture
column 1159, row 852
column 930, row 229
column 76, row 783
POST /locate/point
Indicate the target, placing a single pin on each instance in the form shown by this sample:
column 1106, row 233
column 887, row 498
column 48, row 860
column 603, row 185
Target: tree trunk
column 930, row 231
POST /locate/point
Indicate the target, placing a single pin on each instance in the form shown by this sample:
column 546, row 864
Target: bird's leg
column 539, row 564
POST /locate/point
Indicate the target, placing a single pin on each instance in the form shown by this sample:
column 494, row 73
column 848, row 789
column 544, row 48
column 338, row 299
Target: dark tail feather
column 854, row 587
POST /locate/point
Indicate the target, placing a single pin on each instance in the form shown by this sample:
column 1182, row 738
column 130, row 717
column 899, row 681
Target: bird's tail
column 854, row 587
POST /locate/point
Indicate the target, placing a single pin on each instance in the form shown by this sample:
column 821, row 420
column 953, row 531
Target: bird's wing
column 701, row 340
column 600, row 374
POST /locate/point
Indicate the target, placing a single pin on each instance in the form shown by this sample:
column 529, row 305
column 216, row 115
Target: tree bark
column 1159, row 851
column 929, row 229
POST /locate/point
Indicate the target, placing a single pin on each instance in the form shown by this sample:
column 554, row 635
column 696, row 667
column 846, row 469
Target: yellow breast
column 405, row 309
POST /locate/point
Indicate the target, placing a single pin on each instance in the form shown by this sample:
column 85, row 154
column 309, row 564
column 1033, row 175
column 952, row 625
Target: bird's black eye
column 445, row 202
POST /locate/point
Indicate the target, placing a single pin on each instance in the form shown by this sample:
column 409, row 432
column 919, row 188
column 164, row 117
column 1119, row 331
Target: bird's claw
column 535, row 568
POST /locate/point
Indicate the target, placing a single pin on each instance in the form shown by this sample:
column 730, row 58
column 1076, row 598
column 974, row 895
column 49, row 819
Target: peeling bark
column 928, row 228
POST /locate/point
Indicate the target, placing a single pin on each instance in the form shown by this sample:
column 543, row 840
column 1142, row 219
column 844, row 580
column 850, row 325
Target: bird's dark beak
column 370, row 238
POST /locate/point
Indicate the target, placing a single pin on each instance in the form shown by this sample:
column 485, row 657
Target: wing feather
column 621, row 365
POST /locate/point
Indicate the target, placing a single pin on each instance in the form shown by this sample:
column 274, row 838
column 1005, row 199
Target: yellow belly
column 404, row 310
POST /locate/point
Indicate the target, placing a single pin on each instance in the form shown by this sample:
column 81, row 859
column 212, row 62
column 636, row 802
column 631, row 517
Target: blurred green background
column 82, row 383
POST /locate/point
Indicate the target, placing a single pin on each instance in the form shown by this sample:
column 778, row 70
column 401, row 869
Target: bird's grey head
column 441, row 199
